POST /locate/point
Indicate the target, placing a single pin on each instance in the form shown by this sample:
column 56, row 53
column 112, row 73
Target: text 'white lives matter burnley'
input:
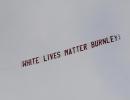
column 70, row 51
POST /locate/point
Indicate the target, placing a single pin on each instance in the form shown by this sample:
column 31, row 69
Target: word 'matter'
column 70, row 51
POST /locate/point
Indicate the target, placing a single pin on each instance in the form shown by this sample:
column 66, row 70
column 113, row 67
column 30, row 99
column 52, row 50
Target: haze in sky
column 30, row 28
